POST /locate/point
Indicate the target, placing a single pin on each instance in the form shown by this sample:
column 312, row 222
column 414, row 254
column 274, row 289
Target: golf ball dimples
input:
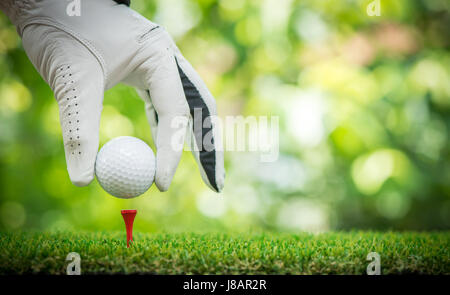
column 125, row 167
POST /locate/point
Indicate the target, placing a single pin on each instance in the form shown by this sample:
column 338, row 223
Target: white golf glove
column 82, row 56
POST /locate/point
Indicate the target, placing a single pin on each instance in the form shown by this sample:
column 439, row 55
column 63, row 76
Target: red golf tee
column 128, row 217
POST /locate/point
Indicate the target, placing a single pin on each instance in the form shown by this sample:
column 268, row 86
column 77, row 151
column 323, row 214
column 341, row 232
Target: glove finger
column 76, row 79
column 152, row 115
column 205, row 131
column 169, row 107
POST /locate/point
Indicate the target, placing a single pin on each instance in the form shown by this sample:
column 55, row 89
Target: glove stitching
column 95, row 52
column 144, row 37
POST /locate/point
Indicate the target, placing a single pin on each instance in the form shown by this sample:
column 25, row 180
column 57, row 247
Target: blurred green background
column 363, row 105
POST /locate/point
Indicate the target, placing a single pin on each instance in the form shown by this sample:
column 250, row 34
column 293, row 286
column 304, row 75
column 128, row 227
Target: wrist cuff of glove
column 14, row 9
column 18, row 11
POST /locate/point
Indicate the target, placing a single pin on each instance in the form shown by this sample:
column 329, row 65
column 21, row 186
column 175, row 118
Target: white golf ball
column 125, row 167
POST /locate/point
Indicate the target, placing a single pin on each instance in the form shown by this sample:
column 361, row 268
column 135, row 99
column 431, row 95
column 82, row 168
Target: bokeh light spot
column 14, row 97
column 12, row 215
column 114, row 124
column 303, row 215
column 392, row 205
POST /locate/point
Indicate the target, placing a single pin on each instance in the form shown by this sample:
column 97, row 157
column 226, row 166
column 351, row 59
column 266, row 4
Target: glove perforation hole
column 72, row 101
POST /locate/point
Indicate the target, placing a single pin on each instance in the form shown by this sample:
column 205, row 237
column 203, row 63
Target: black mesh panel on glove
column 126, row 2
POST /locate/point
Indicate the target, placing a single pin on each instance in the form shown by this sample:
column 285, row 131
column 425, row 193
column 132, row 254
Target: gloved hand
column 82, row 56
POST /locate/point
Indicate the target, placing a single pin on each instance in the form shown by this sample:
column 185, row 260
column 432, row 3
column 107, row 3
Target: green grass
column 329, row 253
